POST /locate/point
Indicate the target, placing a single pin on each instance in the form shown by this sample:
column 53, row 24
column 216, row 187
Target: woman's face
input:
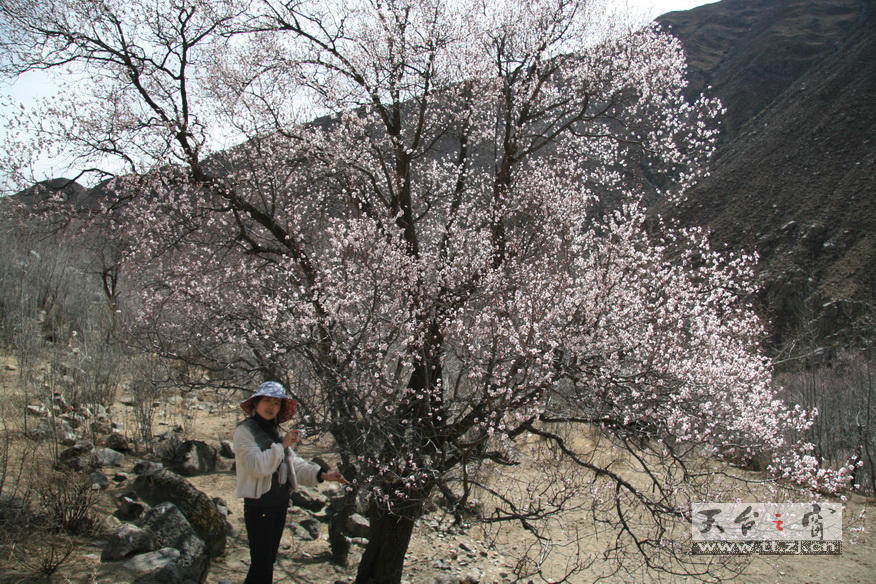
column 269, row 407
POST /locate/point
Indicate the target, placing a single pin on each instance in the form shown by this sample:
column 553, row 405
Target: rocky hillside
column 794, row 175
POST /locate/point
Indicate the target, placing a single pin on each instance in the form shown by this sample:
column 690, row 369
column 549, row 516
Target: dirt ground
column 438, row 552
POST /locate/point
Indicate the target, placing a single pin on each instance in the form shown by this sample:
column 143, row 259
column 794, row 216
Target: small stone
column 99, row 481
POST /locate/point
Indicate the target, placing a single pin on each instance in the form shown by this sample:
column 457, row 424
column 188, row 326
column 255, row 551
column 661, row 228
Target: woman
column 267, row 471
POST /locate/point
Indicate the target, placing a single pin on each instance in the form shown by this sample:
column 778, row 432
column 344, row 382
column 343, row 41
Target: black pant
column 264, row 529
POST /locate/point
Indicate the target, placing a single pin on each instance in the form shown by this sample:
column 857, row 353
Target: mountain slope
column 794, row 176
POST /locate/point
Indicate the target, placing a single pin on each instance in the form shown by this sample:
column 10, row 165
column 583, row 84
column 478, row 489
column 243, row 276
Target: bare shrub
column 146, row 390
column 16, row 468
column 66, row 501
column 842, row 389
column 44, row 559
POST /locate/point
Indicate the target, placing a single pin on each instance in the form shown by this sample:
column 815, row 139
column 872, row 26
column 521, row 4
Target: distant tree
column 433, row 264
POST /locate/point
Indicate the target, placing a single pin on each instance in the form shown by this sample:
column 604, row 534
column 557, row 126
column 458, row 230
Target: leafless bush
column 842, row 389
column 45, row 559
column 57, row 321
column 144, row 410
column 66, row 501
column 15, row 468
column 146, row 389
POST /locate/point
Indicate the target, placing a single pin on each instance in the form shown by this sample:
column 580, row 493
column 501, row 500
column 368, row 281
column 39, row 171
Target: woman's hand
column 333, row 476
column 293, row 437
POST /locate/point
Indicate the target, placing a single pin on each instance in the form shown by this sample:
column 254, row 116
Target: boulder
column 80, row 457
column 158, row 567
column 99, row 481
column 109, row 457
column 309, row 498
column 129, row 508
column 127, row 541
column 101, row 427
column 41, row 433
column 172, row 530
column 146, row 466
column 192, row 458
column 358, row 526
column 159, row 486
column 311, row 526
column 118, row 442
column 226, row 449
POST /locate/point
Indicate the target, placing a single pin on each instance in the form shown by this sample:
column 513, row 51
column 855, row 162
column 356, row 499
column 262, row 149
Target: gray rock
column 311, row 526
column 358, row 526
column 99, row 481
column 101, row 427
column 146, row 466
column 79, row 457
column 118, row 442
column 162, row 485
column 192, row 458
column 129, row 507
column 41, row 433
column 152, row 561
column 309, row 498
column 127, row 541
column 40, row 411
column 172, row 530
column 226, row 449
column 109, row 457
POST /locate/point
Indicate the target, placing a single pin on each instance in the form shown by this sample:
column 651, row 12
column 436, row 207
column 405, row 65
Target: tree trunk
column 339, row 544
column 384, row 557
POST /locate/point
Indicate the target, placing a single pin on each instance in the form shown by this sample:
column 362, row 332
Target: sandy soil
column 437, row 549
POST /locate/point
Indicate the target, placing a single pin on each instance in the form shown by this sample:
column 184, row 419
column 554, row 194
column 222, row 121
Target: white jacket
column 256, row 466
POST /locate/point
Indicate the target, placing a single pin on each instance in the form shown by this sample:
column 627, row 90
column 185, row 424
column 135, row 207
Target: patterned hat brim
column 271, row 389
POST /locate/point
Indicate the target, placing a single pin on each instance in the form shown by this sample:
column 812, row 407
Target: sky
column 658, row 7
column 34, row 86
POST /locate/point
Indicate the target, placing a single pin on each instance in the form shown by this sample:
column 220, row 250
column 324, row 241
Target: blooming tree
column 452, row 265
